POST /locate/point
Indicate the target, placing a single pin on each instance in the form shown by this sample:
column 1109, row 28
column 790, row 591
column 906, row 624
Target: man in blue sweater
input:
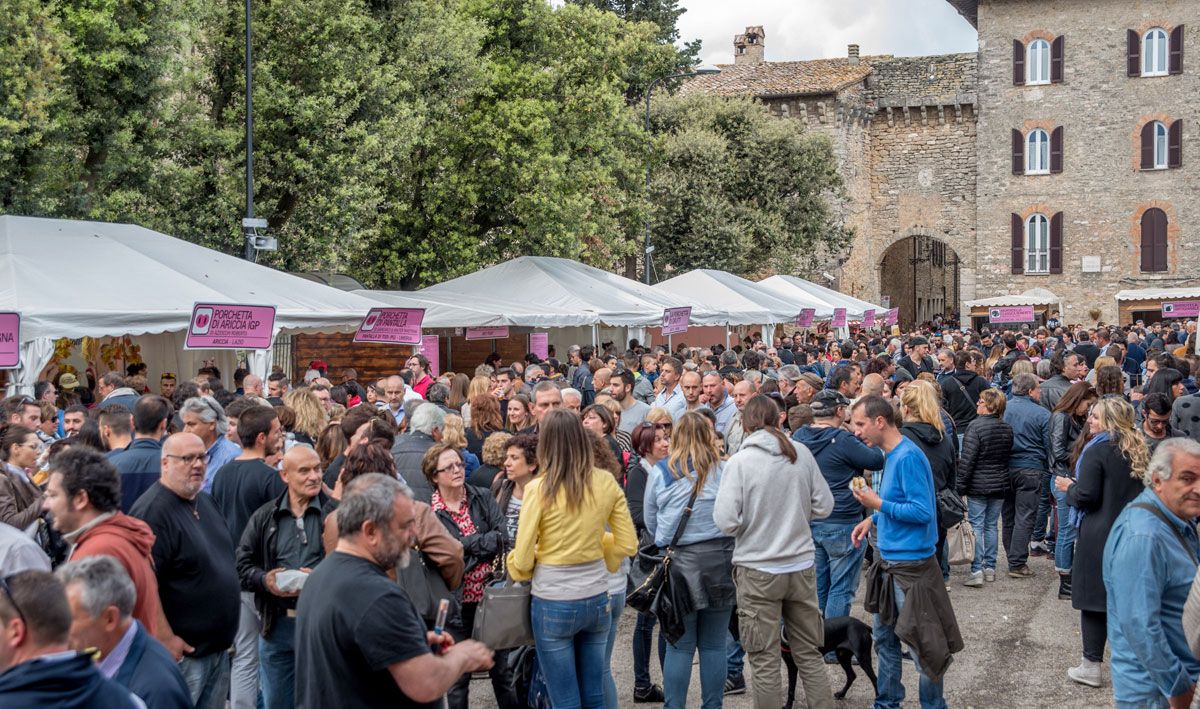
column 1024, row 520
column 915, row 609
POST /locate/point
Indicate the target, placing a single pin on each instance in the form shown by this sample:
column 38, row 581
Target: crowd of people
column 283, row 543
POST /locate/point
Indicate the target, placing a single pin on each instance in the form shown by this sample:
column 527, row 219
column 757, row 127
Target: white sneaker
column 989, row 575
column 975, row 580
column 1088, row 673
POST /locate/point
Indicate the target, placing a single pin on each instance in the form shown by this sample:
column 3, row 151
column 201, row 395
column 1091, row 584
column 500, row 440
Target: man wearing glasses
column 282, row 536
column 1156, row 420
column 37, row 668
column 194, row 562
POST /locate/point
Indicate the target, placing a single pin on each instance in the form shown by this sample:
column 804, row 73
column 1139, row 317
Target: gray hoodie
column 766, row 503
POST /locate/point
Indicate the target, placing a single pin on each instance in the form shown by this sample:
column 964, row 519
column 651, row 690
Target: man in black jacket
column 918, row 360
column 1084, row 347
column 960, row 392
column 1068, row 367
column 283, row 535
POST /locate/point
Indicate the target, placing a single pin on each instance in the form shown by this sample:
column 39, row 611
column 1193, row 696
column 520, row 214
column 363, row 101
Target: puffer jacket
column 983, row 465
column 1064, row 429
column 938, row 449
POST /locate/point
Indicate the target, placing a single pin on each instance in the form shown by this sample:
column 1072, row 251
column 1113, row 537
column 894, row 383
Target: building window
column 1037, row 244
column 1154, row 240
column 1154, row 52
column 1160, row 146
column 1037, row 153
column 1039, row 62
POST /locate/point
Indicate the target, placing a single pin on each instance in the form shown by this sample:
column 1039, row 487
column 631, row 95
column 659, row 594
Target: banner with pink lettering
column 805, row 318
column 10, row 340
column 221, row 326
column 431, row 347
column 839, row 318
column 394, row 326
column 1011, row 314
column 868, row 319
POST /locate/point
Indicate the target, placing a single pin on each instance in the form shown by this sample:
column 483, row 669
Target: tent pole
column 595, row 336
column 726, row 335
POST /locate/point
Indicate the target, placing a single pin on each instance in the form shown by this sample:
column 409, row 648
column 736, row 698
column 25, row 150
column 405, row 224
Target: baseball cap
column 826, row 402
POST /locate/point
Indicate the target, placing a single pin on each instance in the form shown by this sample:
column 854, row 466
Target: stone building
column 1052, row 159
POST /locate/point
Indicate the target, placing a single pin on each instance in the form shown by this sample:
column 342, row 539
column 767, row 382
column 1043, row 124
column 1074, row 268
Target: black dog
column 846, row 638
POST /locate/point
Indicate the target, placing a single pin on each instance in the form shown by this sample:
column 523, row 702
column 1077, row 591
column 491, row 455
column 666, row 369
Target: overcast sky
column 814, row 29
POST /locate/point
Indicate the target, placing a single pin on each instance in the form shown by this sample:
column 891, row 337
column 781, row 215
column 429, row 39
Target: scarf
column 1076, row 513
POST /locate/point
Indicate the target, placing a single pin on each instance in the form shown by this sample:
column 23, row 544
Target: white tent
column 739, row 301
column 570, row 287
column 447, row 310
column 1033, row 296
column 94, row 279
column 797, row 289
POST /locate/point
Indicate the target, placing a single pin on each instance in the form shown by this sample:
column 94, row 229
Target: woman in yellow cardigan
column 563, row 546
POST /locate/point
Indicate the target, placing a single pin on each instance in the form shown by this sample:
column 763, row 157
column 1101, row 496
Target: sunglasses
column 9, row 595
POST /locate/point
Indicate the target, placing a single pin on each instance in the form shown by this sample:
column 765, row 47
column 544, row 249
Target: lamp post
column 647, row 249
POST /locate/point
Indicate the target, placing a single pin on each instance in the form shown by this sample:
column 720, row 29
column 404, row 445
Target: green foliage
column 401, row 141
column 739, row 190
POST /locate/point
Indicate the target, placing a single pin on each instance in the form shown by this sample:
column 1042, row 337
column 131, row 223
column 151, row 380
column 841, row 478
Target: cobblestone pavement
column 1020, row 640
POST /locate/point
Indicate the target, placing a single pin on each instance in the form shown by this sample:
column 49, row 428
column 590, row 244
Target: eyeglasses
column 451, row 467
column 9, row 595
column 187, row 459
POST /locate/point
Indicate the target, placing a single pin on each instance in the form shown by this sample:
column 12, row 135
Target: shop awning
column 1033, row 296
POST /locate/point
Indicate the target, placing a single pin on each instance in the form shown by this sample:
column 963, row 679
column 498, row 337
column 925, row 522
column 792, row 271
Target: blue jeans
column 984, row 513
column 616, row 602
column 839, row 567
column 705, row 630
column 643, row 639
column 277, row 664
column 890, row 694
column 1064, row 546
column 735, row 656
column 571, row 638
column 207, row 679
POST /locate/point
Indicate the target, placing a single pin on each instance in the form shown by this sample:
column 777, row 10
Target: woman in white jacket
column 770, row 490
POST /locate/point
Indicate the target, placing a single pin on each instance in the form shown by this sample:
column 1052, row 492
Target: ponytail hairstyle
column 762, row 414
column 12, row 434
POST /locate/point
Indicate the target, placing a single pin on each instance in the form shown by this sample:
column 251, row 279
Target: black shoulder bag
column 650, row 568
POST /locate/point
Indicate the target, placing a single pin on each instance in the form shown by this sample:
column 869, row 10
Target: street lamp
column 647, row 248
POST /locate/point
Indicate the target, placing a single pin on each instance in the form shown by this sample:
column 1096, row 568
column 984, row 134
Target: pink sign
column 10, row 340
column 431, row 347
column 396, row 326
column 675, row 320
column 1181, row 309
column 487, row 333
column 1011, row 313
column 869, row 319
column 539, row 344
column 805, row 318
column 893, row 316
column 839, row 318
column 221, row 326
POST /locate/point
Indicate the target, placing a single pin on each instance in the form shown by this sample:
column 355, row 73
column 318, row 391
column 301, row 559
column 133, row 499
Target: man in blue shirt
column 905, row 516
column 670, row 397
column 719, row 400
column 1028, row 471
column 1150, row 561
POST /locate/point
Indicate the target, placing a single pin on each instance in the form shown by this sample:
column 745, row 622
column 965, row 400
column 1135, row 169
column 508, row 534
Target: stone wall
column 1100, row 191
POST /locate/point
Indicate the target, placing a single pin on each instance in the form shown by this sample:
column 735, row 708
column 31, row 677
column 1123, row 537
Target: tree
column 737, row 189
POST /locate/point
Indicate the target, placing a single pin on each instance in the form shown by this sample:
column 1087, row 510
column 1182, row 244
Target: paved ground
column 1020, row 640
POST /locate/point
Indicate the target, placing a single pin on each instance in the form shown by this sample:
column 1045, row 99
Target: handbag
column 425, row 587
column 960, row 544
column 650, row 567
column 950, row 508
column 502, row 620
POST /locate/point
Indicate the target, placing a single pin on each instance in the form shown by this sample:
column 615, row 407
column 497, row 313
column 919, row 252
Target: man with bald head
column 284, row 534
column 252, row 385
column 395, row 393
column 194, row 562
column 742, row 391
column 690, row 385
column 872, row 385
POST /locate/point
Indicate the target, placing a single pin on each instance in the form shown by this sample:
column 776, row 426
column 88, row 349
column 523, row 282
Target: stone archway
column 921, row 275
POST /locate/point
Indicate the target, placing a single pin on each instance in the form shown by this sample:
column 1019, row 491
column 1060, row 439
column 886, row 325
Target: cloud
column 814, row 29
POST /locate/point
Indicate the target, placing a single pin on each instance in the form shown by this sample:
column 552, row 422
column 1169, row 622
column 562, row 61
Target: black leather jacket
column 983, row 464
column 1064, row 429
column 490, row 528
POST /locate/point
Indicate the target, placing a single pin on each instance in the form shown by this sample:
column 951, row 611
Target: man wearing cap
column 841, row 456
column 918, row 360
column 68, row 382
column 807, row 387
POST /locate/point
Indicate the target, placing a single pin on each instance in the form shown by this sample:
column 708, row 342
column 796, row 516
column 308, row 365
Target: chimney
column 852, row 54
column 748, row 48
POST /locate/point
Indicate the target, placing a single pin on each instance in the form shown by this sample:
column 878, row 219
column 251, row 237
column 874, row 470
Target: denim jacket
column 1031, row 433
column 665, row 500
column 1147, row 574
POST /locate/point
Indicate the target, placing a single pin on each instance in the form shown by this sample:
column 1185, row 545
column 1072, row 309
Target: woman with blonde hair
column 310, row 415
column 702, row 567
column 480, row 384
column 923, row 425
column 1108, row 475
column 454, row 435
column 562, row 546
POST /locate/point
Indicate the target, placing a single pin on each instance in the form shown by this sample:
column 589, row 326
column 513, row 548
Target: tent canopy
column 561, row 285
column 1159, row 294
column 823, row 299
column 94, row 279
column 740, row 301
column 448, row 310
column 1033, row 296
